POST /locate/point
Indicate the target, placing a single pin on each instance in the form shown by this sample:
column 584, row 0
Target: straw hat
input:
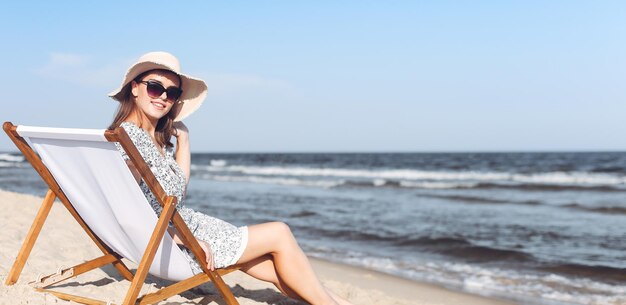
column 194, row 89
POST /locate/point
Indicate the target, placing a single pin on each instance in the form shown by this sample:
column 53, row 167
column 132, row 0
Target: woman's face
column 155, row 107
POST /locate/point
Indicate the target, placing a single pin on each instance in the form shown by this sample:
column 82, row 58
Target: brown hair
column 165, row 126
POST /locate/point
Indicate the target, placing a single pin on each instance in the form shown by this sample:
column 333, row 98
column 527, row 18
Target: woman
column 154, row 98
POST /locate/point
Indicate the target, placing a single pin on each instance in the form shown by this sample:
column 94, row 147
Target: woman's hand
column 180, row 131
column 210, row 262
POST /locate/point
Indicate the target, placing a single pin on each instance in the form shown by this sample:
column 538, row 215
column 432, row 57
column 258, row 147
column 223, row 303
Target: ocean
column 537, row 228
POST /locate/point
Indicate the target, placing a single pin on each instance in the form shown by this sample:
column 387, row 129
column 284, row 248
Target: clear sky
column 338, row 76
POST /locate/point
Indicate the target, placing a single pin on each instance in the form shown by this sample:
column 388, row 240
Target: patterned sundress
column 227, row 241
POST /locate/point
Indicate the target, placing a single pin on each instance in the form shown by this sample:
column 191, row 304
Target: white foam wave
column 11, row 158
column 436, row 185
column 379, row 182
column 218, row 163
column 570, row 178
column 536, row 288
column 280, row 181
column 412, row 176
column 10, row 164
column 334, row 183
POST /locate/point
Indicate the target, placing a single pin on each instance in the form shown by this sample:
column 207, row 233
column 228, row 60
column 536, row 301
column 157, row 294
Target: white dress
column 227, row 241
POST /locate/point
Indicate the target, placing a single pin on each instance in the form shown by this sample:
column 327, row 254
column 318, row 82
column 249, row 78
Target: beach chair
column 85, row 171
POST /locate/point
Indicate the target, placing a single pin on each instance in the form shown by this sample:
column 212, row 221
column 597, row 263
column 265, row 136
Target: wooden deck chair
column 83, row 168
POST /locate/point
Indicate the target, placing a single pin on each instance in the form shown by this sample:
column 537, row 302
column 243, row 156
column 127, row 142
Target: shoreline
column 63, row 243
column 430, row 293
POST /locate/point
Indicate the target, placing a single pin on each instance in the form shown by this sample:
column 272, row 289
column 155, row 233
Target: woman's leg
column 263, row 269
column 291, row 264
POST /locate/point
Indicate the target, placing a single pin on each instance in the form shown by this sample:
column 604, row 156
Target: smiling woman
column 152, row 103
column 154, row 97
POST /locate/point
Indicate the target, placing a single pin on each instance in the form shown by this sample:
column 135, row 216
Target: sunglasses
column 155, row 90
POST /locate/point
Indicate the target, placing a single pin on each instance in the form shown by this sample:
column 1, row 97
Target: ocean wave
column 438, row 185
column 525, row 285
column 303, row 214
column 272, row 180
column 218, row 163
column 477, row 199
column 620, row 210
column 327, row 182
column 604, row 210
column 466, row 250
column 433, row 241
column 405, row 184
column 429, row 179
column 509, row 185
column 399, row 174
column 598, row 272
column 9, row 164
column 11, row 158
column 475, row 253
column 540, row 286
column 550, row 187
column 347, row 234
column 451, row 246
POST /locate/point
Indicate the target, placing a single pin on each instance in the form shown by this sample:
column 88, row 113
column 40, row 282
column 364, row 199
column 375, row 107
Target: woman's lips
column 157, row 105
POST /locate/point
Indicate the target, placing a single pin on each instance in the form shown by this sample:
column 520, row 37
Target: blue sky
column 340, row 76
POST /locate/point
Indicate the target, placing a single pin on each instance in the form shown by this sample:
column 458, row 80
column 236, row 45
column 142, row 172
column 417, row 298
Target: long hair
column 165, row 126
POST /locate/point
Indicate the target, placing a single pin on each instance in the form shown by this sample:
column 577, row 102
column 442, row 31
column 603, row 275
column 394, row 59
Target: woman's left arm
column 183, row 154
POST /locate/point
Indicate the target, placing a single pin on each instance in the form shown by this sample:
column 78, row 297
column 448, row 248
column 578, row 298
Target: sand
column 62, row 243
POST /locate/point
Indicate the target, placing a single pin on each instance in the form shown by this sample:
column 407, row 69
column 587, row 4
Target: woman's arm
column 183, row 158
column 183, row 154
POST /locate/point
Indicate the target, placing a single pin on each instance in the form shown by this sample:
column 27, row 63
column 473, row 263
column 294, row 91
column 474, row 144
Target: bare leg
column 263, row 269
column 290, row 263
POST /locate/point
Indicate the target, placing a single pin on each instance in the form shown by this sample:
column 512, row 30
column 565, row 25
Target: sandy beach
column 62, row 243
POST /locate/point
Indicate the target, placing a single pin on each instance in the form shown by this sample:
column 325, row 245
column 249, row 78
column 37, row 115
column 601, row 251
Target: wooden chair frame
column 168, row 214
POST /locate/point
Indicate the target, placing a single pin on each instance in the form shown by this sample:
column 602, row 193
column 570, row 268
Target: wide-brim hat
column 194, row 89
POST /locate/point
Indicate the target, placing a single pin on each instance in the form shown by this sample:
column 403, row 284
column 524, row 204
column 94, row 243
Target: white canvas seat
column 97, row 181
column 87, row 173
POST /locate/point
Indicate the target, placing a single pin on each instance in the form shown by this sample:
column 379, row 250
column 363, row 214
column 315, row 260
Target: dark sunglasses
column 155, row 90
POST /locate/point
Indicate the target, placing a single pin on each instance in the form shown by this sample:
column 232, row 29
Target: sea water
column 538, row 228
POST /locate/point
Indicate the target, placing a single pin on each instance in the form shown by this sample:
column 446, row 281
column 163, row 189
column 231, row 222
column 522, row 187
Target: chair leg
column 31, row 237
column 151, row 248
column 74, row 271
column 174, row 289
column 223, row 288
column 73, row 299
column 123, row 270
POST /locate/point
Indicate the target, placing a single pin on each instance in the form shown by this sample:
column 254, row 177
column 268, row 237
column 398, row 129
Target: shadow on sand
column 203, row 294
